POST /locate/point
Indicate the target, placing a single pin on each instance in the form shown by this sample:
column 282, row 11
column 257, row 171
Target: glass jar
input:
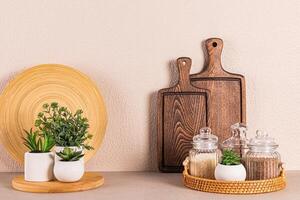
column 203, row 157
column 238, row 141
column 262, row 159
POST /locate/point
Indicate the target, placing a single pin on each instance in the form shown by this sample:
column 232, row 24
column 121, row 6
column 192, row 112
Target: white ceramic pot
column 68, row 171
column 60, row 148
column 38, row 166
column 230, row 172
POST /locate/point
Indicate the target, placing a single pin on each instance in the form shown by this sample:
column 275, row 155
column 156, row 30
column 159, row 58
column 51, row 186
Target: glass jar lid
column 205, row 139
column 262, row 141
column 238, row 138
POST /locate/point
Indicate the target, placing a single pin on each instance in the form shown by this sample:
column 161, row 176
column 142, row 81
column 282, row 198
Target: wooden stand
column 90, row 180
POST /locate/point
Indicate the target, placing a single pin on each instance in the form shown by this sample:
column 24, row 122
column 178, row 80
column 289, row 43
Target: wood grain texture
column 90, row 180
column 24, row 95
column 228, row 93
column 182, row 111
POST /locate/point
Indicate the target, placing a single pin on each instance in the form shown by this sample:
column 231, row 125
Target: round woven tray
column 24, row 95
column 233, row 187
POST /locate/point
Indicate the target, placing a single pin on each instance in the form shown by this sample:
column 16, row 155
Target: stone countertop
column 145, row 185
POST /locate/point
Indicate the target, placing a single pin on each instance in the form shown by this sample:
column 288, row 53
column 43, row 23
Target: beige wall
column 126, row 46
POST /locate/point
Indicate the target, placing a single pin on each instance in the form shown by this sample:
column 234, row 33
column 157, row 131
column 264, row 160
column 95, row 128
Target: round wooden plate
column 23, row 97
column 90, row 180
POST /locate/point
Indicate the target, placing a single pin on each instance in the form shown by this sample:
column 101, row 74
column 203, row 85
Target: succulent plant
column 67, row 129
column 229, row 157
column 68, row 154
column 37, row 142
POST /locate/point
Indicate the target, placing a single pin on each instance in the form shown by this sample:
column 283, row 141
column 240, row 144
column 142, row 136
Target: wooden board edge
column 30, row 186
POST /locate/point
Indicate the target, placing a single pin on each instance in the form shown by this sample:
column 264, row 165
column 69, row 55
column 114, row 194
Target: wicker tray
column 233, row 187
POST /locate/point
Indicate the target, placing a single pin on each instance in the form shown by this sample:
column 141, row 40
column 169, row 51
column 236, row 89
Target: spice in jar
column 262, row 160
column 203, row 157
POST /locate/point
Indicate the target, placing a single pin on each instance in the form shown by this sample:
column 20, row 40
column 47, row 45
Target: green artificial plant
column 37, row 142
column 67, row 129
column 229, row 157
column 68, row 154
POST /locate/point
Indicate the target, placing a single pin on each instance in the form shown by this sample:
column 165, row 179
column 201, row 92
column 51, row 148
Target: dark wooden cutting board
column 182, row 111
column 228, row 93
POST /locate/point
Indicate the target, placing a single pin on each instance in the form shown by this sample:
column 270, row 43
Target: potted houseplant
column 69, row 167
column 230, row 168
column 68, row 129
column 39, row 160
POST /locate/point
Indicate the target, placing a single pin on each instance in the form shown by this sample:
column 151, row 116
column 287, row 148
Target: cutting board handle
column 214, row 48
column 184, row 66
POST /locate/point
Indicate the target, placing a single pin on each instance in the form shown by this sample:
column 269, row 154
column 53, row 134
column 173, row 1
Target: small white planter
column 68, row 171
column 60, row 148
column 38, row 166
column 230, row 172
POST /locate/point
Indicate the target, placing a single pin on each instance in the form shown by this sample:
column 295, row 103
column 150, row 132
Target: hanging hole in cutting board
column 215, row 44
